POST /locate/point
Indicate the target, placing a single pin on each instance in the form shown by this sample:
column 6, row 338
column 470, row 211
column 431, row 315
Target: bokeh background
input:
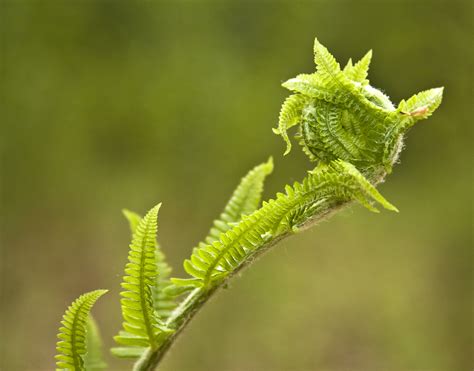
column 111, row 104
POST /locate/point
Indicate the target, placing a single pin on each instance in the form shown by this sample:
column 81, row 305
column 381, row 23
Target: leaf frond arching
column 325, row 187
column 72, row 344
column 142, row 326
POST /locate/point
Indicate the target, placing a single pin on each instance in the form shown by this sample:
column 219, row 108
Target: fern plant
column 349, row 129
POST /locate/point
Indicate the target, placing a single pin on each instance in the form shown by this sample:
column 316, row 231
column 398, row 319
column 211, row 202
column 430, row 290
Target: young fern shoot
column 142, row 327
column 79, row 343
column 353, row 133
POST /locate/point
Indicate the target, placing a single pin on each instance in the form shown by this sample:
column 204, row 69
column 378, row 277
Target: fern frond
column 326, row 65
column 142, row 326
column 163, row 302
column 322, row 189
column 93, row 359
column 310, row 85
column 351, row 129
column 344, row 117
column 290, row 115
column 423, row 104
column 72, row 346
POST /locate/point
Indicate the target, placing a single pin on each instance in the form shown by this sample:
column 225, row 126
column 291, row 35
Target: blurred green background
column 111, row 104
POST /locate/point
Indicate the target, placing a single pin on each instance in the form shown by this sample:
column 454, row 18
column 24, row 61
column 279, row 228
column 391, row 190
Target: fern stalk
column 354, row 134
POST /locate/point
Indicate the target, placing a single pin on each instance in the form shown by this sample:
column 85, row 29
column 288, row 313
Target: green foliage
column 142, row 325
column 349, row 128
column 422, row 105
column 323, row 189
column 163, row 303
column 341, row 116
column 72, row 345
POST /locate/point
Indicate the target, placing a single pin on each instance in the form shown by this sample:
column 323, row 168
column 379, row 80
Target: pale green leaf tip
column 133, row 219
column 288, row 83
column 269, row 164
column 128, row 214
column 391, row 207
column 348, row 64
column 387, row 205
column 276, row 131
column 439, row 91
column 317, row 44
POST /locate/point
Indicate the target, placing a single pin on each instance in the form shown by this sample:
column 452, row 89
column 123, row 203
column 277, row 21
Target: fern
column 142, row 325
column 422, row 105
column 321, row 190
column 72, row 345
column 163, row 303
column 345, row 118
column 350, row 129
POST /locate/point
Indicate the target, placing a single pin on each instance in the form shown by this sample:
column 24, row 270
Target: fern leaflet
column 423, row 104
column 162, row 302
column 72, row 344
column 142, row 326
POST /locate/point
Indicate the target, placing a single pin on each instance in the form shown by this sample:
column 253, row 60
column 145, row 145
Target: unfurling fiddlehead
column 351, row 130
column 353, row 133
column 341, row 116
